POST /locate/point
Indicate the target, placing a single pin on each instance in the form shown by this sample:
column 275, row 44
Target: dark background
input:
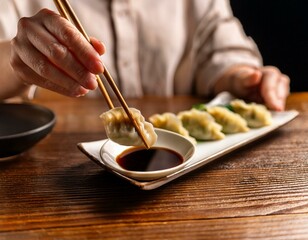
column 280, row 29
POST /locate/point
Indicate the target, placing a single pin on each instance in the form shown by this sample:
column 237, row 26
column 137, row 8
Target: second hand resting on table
column 264, row 85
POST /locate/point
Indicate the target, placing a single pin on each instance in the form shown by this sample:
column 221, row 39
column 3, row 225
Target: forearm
column 11, row 85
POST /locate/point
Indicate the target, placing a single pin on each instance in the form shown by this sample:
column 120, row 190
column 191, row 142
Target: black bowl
column 22, row 125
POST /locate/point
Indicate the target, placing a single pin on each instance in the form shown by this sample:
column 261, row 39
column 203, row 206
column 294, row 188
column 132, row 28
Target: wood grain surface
column 53, row 191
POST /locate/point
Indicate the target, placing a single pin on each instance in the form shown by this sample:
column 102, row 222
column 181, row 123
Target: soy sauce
column 153, row 159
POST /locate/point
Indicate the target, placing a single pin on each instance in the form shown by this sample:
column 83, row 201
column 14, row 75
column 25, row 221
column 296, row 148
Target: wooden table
column 55, row 192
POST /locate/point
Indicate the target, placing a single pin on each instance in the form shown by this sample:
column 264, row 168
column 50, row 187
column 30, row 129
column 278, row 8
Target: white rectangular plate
column 205, row 151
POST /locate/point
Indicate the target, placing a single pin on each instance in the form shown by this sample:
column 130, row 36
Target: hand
column 264, row 85
column 50, row 52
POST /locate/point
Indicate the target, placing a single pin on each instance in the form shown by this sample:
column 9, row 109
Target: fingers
column 34, row 68
column 268, row 88
column 56, row 52
column 283, row 89
column 69, row 88
column 69, row 36
column 59, row 55
column 275, row 88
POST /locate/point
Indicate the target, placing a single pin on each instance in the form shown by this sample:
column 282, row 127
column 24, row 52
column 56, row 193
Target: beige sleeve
column 8, row 19
column 221, row 43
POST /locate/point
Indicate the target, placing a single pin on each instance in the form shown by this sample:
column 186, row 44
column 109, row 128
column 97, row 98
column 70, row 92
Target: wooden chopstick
column 67, row 12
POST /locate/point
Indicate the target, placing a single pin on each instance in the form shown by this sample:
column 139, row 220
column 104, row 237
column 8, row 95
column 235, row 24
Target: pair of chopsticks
column 67, row 12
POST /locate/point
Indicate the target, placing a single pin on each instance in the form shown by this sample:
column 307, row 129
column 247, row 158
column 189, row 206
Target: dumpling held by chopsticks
column 120, row 129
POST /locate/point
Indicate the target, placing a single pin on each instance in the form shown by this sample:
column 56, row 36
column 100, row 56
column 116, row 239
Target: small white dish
column 165, row 139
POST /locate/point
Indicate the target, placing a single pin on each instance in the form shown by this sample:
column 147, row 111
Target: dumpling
column 120, row 129
column 201, row 125
column 171, row 122
column 256, row 115
column 231, row 122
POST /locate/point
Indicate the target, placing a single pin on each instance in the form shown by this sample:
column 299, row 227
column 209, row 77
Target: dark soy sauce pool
column 152, row 159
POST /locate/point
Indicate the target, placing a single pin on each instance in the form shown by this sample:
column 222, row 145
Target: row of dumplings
column 213, row 123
